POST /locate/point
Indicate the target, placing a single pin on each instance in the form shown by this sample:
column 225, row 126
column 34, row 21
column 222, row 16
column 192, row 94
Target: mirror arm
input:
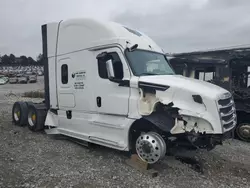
column 114, row 80
column 124, row 83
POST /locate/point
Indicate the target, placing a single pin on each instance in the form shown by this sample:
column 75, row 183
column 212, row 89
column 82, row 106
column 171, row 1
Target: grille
column 229, row 125
column 227, row 112
column 228, row 118
column 224, row 102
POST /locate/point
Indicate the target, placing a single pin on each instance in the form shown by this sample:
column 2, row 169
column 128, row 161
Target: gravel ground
column 37, row 160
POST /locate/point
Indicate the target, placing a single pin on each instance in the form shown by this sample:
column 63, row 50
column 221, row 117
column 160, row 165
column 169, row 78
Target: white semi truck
column 111, row 85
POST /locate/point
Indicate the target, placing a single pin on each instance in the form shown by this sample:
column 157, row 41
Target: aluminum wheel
column 32, row 118
column 150, row 147
column 243, row 132
column 17, row 113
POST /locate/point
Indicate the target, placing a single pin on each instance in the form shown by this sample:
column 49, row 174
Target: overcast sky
column 176, row 25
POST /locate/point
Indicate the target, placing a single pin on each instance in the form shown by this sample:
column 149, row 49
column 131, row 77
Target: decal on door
column 79, row 77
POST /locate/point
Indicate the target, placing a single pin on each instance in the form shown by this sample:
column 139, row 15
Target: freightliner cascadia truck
column 108, row 84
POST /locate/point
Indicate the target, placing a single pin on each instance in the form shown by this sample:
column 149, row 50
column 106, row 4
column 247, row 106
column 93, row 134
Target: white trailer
column 111, row 85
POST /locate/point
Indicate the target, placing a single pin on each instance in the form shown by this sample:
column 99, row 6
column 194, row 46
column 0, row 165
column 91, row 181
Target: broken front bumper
column 202, row 141
column 209, row 141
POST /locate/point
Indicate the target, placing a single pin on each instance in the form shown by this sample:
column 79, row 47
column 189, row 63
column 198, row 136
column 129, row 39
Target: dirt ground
column 37, row 160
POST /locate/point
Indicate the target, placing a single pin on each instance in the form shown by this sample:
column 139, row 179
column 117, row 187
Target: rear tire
column 29, row 103
column 20, row 113
column 36, row 117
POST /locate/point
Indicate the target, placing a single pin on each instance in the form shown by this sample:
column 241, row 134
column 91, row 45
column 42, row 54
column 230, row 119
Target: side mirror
column 110, row 69
column 111, row 75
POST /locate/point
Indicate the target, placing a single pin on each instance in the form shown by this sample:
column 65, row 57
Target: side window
column 117, row 65
column 64, row 74
column 102, row 70
column 206, row 75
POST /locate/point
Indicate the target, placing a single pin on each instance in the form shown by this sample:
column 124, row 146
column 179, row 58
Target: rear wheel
column 20, row 113
column 243, row 132
column 36, row 118
column 150, row 147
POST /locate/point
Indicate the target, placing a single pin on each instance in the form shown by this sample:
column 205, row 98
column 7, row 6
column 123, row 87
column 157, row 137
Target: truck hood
column 182, row 83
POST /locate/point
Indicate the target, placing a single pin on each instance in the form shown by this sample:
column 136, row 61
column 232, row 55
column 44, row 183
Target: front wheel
column 243, row 131
column 150, row 147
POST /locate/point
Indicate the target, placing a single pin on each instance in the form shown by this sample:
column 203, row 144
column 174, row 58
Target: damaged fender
column 153, row 110
column 161, row 113
column 191, row 122
column 163, row 122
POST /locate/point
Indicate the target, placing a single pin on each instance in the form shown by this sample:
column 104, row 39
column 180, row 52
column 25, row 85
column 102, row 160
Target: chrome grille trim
column 227, row 111
column 225, row 96
column 230, row 120
column 228, row 105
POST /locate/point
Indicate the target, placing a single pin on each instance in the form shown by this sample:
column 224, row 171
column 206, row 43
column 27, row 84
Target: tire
column 36, row 118
column 243, row 131
column 29, row 103
column 150, row 147
column 20, row 113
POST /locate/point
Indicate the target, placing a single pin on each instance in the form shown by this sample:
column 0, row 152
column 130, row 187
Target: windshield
column 148, row 63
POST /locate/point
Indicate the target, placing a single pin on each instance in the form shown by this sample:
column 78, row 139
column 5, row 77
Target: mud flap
column 162, row 121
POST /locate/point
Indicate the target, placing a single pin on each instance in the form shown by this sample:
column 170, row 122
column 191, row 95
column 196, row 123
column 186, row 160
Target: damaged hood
column 181, row 83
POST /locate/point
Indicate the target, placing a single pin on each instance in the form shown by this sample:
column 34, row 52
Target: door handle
column 69, row 114
column 99, row 101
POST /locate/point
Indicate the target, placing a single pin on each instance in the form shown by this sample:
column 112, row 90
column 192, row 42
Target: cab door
column 109, row 125
column 111, row 98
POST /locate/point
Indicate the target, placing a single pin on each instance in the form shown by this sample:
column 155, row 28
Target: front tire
column 150, row 147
